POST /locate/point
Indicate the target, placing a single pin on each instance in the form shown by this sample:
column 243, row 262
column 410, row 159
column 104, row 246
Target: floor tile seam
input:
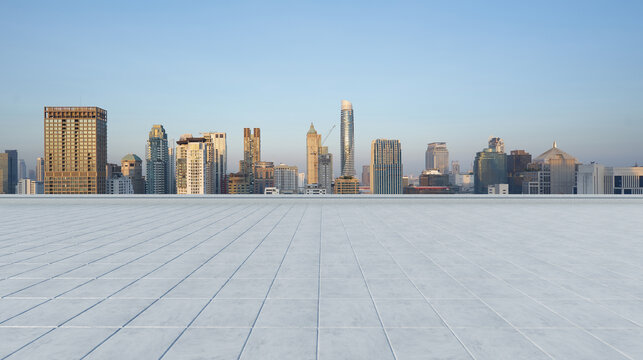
column 66, row 230
column 446, row 324
column 377, row 312
column 477, row 297
column 120, row 251
column 227, row 281
column 243, row 347
column 512, row 325
column 129, row 262
column 153, row 216
column 55, row 222
column 69, row 319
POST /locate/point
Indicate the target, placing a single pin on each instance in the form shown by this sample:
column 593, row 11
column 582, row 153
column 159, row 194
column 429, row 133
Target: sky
column 418, row 71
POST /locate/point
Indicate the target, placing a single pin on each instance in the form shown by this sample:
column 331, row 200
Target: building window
column 627, row 191
column 618, row 181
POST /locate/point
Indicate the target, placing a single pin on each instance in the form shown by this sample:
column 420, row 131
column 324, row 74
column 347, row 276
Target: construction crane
column 327, row 135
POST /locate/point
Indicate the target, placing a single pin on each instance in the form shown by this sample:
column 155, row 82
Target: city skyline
column 431, row 72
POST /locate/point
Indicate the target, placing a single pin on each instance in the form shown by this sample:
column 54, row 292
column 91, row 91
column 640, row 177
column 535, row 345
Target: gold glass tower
column 313, row 143
column 75, row 150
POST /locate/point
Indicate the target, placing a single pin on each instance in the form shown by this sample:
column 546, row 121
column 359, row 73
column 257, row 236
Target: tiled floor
column 309, row 278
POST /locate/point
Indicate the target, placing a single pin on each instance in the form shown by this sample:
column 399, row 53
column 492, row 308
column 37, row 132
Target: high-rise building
column 313, row 144
column 40, row 169
column 325, row 173
column 11, row 171
column 490, row 167
column 264, row 176
column 132, row 167
column 497, row 144
column 366, row 175
column 552, row 172
column 171, row 150
column 32, row 175
column 217, row 161
column 251, row 155
column 286, row 179
column 191, row 157
column 346, row 185
column 347, row 139
column 75, row 150
column 437, row 157
column 517, row 162
column 4, row 173
column 251, row 150
column 386, row 167
column 455, row 167
column 22, row 169
column 157, row 161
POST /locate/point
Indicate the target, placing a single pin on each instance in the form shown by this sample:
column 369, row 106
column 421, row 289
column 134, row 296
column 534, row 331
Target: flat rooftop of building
column 361, row 277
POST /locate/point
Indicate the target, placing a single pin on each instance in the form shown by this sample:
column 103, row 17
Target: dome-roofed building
column 552, row 172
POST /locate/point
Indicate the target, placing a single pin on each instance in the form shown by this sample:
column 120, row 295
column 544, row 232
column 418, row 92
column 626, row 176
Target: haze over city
column 414, row 71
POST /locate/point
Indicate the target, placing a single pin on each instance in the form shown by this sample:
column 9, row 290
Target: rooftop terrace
column 328, row 278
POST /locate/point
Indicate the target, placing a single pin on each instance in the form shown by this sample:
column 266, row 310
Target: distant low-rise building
column 498, row 189
column 346, row 185
column 30, row 187
column 599, row 179
column 430, row 190
column 119, row 184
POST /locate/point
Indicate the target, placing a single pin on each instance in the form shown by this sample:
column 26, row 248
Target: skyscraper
column 12, row 171
column 386, row 167
column 490, row 167
column 325, row 172
column 217, row 161
column 22, row 169
column 313, row 143
column 191, row 158
column 286, row 179
column 132, row 167
column 497, row 144
column 75, row 150
column 455, row 167
column 366, row 175
column 251, row 150
column 517, row 162
column 40, row 169
column 171, row 150
column 157, row 161
column 437, row 157
column 347, row 140
column 4, row 174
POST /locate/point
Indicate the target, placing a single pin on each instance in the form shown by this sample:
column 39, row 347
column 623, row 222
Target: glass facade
column 347, row 140
column 489, row 168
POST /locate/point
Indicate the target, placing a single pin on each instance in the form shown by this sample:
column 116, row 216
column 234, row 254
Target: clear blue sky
column 530, row 72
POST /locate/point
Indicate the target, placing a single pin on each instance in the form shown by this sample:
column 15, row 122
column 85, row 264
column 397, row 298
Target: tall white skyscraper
column 437, row 157
column 191, row 157
column 347, row 140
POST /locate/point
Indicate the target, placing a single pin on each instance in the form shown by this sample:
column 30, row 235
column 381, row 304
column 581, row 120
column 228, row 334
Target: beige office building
column 191, row 158
column 75, row 150
column 313, row 143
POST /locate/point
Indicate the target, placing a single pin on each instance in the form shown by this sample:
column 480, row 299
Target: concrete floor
column 334, row 278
